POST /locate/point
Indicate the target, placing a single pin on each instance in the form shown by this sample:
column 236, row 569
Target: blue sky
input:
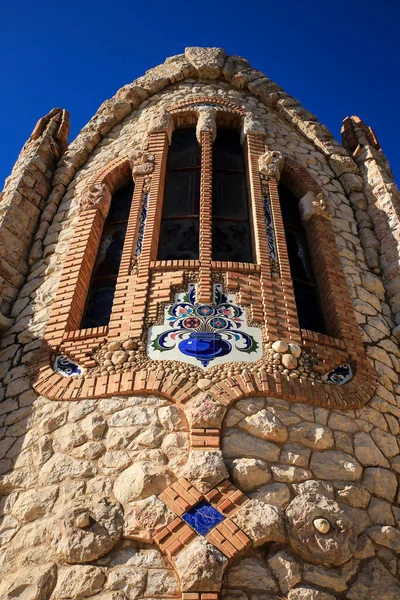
column 338, row 58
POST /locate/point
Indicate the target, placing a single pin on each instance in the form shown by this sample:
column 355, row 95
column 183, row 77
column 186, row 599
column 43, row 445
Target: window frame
column 225, row 117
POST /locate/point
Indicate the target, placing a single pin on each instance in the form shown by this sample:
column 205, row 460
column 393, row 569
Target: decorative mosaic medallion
column 205, row 333
column 67, row 367
column 339, row 375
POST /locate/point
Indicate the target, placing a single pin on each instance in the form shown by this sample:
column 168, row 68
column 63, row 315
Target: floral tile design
column 339, row 375
column 205, row 333
column 142, row 224
column 67, row 367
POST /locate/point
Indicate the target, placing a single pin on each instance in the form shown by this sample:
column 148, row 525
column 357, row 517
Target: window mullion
column 205, row 236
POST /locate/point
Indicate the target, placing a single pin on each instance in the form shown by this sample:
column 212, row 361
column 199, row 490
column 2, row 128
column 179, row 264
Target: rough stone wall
column 79, row 478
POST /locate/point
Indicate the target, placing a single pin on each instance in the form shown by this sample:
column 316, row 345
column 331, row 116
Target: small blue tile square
column 203, row 517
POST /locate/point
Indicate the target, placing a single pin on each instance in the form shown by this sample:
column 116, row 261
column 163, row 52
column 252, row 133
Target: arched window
column 305, row 290
column 231, row 238
column 104, row 278
column 179, row 232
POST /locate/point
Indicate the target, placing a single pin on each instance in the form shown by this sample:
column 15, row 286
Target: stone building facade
column 200, row 399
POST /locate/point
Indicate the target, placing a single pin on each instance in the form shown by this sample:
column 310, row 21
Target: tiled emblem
column 339, row 375
column 67, row 367
column 202, row 517
column 205, row 334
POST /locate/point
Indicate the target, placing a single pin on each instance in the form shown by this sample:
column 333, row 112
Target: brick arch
column 186, row 112
column 297, row 179
column 195, row 102
column 75, row 281
column 113, row 174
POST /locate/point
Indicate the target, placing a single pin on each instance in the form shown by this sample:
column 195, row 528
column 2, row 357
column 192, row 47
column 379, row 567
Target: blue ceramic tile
column 203, row 517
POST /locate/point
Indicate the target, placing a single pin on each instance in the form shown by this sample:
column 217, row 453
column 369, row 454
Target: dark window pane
column 289, row 207
column 231, row 237
column 108, row 260
column 179, row 231
column 227, row 151
column 231, row 196
column 99, row 304
column 179, row 239
column 182, row 194
column 305, row 291
column 310, row 316
column 184, row 150
column 110, row 251
column 231, row 241
column 121, row 204
column 299, row 260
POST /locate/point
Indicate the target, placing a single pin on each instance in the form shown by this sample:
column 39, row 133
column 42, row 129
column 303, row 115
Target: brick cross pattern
column 181, row 496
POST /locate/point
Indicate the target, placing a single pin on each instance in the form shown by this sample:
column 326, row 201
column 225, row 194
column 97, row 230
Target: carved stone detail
column 206, row 122
column 313, row 204
column 271, row 164
column 88, row 529
column 319, row 530
column 161, row 121
column 98, row 196
column 251, row 125
column 142, row 162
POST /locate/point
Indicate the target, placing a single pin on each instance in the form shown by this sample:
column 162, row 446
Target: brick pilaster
column 254, row 149
column 139, row 285
column 204, row 289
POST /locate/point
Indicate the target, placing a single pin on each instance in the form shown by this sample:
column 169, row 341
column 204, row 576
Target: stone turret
column 379, row 204
column 23, row 200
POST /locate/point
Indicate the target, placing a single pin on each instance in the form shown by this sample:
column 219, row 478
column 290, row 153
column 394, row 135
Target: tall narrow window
column 231, row 239
column 179, row 233
column 105, row 272
column 305, row 291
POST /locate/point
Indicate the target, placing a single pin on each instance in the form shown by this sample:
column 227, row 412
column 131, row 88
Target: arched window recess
column 110, row 234
column 303, row 275
column 301, row 244
column 103, row 282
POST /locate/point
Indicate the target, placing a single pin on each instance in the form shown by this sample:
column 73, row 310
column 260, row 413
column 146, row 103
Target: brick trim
column 205, row 237
column 218, row 103
column 179, row 389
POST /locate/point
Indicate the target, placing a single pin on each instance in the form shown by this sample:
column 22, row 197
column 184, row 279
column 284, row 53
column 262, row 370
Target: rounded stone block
column 81, row 540
column 319, row 531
